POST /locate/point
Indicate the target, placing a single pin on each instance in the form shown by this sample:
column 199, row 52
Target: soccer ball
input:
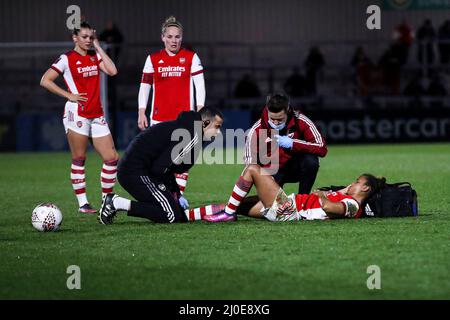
column 46, row 217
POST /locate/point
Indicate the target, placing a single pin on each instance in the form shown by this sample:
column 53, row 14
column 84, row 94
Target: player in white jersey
column 83, row 112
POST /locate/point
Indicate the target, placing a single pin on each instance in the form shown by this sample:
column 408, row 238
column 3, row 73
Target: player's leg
column 154, row 202
column 266, row 188
column 78, row 131
column 265, row 185
column 104, row 144
column 200, row 212
column 182, row 179
column 250, row 206
column 78, row 145
column 240, row 190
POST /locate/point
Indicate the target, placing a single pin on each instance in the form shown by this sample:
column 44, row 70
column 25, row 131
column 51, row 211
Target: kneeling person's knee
column 310, row 162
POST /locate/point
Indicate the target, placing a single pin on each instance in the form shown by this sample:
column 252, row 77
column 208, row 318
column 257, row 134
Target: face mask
column 277, row 127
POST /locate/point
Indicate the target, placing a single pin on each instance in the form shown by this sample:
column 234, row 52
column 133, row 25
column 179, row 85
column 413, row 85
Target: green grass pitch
column 249, row 259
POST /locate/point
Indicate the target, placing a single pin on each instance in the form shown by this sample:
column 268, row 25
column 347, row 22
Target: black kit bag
column 394, row 200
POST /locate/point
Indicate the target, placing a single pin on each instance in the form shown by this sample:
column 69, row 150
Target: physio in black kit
column 148, row 167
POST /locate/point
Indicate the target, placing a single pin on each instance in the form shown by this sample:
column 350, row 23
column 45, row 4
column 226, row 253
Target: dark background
column 261, row 41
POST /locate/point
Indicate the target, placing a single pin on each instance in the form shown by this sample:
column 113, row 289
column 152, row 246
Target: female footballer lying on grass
column 275, row 205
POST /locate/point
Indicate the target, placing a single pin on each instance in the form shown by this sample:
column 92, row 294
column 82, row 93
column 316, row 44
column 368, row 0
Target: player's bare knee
column 253, row 170
column 310, row 162
column 110, row 157
column 78, row 156
column 116, row 156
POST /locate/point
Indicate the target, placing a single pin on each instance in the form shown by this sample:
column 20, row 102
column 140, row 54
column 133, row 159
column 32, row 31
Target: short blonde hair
column 171, row 22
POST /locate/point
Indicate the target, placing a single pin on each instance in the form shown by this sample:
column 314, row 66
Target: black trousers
column 302, row 169
column 154, row 201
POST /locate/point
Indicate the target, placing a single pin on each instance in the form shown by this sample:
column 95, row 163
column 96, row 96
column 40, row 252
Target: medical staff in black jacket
column 148, row 167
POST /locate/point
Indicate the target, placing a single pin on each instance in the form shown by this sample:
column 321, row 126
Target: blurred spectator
column 444, row 42
column 403, row 38
column 295, row 84
column 426, row 35
column 360, row 58
column 436, row 89
column 247, row 88
column 313, row 65
column 114, row 38
column 362, row 66
column 391, row 65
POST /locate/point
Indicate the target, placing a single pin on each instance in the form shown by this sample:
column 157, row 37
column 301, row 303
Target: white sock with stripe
column 240, row 190
column 181, row 179
column 108, row 176
column 78, row 178
column 199, row 213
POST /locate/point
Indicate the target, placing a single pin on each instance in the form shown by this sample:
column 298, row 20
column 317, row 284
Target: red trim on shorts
column 196, row 73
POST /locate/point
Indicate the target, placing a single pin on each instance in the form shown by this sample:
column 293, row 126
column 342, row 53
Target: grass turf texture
column 250, row 259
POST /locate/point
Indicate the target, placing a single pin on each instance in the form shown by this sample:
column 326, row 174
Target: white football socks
column 122, row 204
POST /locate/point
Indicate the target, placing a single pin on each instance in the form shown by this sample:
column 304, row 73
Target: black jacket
column 164, row 149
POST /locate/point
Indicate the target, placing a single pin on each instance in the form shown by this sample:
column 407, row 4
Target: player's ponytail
column 375, row 184
column 83, row 25
column 171, row 22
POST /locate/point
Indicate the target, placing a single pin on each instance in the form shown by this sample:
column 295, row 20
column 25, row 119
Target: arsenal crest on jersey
column 182, row 60
column 79, row 124
column 92, row 59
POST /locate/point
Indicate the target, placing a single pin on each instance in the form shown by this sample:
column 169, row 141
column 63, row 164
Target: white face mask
column 278, row 127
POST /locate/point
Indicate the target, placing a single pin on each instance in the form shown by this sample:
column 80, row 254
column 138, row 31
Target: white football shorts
column 95, row 127
column 283, row 208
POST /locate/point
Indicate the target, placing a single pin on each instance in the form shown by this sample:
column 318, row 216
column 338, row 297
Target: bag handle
column 398, row 184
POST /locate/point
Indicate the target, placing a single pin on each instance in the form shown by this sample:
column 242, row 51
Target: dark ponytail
column 375, row 184
column 83, row 25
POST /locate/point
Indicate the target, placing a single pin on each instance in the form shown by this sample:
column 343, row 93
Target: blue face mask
column 278, row 127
